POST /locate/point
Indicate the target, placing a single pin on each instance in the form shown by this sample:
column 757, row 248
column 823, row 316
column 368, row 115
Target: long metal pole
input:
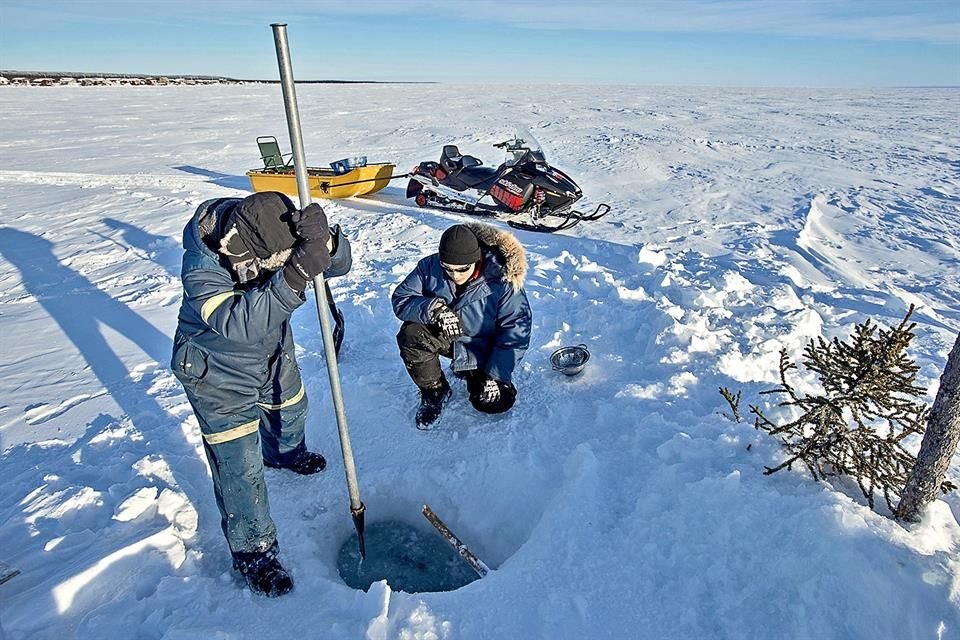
column 300, row 166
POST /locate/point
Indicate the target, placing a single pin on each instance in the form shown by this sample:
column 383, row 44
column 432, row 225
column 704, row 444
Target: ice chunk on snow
column 135, row 505
column 641, row 392
column 651, row 256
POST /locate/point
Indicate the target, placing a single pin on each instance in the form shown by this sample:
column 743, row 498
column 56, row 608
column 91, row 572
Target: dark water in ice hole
column 409, row 559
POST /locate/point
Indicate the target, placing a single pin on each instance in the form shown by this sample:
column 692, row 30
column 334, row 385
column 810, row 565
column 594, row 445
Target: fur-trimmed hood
column 506, row 244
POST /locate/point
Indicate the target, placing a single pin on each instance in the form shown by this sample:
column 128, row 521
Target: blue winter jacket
column 493, row 308
column 240, row 325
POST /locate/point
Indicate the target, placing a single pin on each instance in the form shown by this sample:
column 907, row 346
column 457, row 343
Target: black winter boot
column 301, row 461
column 263, row 572
column 432, row 400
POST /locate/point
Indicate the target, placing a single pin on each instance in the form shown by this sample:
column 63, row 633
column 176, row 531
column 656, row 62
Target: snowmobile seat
column 472, row 177
column 450, row 158
column 273, row 159
column 452, row 161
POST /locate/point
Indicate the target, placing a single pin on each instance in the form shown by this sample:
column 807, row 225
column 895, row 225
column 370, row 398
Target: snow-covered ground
column 622, row 503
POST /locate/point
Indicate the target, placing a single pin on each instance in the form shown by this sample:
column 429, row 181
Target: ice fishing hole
column 409, row 558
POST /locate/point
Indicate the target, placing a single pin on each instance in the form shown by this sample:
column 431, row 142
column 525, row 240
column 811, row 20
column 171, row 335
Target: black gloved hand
column 310, row 223
column 309, row 259
column 447, row 320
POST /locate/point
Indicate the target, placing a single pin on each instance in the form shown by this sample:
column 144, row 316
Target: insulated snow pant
column 244, row 421
column 422, row 345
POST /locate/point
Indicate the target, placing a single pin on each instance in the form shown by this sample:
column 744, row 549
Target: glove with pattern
column 447, row 320
column 490, row 392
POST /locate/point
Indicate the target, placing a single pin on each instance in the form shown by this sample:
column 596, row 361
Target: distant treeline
column 202, row 79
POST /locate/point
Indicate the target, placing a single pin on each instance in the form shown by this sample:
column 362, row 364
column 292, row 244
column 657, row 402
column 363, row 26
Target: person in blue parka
column 246, row 265
column 465, row 302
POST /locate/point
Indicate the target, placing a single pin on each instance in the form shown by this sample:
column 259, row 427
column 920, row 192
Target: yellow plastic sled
column 324, row 183
column 278, row 175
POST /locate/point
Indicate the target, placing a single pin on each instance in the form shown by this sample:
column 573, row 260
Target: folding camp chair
column 273, row 159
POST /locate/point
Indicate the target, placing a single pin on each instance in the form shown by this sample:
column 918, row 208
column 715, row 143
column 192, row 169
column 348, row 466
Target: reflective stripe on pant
column 236, row 467
column 282, row 425
column 283, row 407
column 240, row 426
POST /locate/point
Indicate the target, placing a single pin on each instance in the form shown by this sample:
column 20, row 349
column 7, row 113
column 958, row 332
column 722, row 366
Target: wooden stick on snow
column 475, row 563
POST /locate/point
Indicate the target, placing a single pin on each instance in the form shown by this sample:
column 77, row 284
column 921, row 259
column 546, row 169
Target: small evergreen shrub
column 867, row 406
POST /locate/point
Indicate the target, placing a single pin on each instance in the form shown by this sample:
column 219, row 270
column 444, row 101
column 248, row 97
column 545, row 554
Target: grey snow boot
column 263, row 572
column 300, row 461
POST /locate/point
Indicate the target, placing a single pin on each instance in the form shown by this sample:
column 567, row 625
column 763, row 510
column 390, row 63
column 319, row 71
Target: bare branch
column 733, row 401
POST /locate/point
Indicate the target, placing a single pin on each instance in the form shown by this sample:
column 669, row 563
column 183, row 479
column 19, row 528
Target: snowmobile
column 524, row 191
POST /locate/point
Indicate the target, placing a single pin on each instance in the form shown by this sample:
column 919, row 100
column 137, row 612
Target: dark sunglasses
column 456, row 269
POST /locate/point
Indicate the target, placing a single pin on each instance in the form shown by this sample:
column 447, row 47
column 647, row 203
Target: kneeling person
column 465, row 302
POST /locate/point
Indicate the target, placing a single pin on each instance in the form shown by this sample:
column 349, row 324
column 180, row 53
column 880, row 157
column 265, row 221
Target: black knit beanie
column 260, row 224
column 459, row 245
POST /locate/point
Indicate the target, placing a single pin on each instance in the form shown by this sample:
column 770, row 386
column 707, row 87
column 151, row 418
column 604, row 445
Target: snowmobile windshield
column 524, row 148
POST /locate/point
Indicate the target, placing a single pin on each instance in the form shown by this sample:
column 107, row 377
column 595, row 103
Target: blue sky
column 834, row 43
